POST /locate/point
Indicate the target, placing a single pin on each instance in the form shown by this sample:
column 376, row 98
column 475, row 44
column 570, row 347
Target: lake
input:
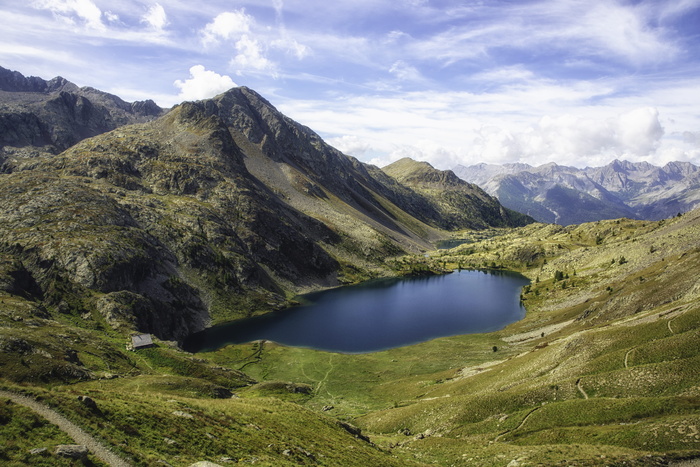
column 382, row 314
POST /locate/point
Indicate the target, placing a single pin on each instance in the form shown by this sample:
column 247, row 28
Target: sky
column 575, row 82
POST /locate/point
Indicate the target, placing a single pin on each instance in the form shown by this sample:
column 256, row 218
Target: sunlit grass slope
column 603, row 370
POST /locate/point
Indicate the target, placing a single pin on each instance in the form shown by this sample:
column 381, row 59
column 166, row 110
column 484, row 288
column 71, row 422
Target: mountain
column 568, row 195
column 217, row 210
column 459, row 203
column 50, row 116
column 481, row 173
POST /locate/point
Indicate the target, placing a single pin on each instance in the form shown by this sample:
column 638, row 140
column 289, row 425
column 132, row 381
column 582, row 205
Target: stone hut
column 142, row 341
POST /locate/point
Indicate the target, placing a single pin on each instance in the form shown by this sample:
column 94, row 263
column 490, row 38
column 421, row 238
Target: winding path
column 520, row 425
column 580, row 389
column 79, row 435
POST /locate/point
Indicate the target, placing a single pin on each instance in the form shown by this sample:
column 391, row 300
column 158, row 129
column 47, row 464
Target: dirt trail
column 580, row 389
column 519, row 426
column 79, row 435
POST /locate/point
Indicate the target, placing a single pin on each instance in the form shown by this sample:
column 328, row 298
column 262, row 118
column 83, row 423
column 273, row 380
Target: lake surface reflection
column 383, row 314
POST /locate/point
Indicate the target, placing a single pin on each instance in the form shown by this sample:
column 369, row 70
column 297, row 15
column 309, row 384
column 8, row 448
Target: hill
column 602, row 371
column 568, row 195
column 459, row 203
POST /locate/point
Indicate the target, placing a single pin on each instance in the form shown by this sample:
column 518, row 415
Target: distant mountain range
column 567, row 195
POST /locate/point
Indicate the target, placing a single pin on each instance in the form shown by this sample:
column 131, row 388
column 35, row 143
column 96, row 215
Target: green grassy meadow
column 603, row 370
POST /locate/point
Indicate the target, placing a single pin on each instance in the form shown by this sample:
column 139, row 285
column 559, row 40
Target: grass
column 28, row 439
column 591, row 376
column 149, row 425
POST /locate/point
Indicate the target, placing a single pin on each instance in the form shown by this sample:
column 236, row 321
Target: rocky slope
column 459, row 203
column 50, row 116
column 567, row 195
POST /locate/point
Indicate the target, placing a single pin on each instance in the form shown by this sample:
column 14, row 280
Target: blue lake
column 382, row 314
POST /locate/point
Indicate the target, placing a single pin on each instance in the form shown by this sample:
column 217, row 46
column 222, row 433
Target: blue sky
column 450, row 82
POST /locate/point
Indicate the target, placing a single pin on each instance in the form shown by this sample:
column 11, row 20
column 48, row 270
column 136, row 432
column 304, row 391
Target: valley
column 222, row 209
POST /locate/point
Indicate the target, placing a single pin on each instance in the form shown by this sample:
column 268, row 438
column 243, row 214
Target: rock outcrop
column 50, row 116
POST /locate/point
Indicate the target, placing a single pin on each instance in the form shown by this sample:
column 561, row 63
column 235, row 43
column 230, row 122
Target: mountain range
column 568, row 195
column 211, row 210
column 118, row 219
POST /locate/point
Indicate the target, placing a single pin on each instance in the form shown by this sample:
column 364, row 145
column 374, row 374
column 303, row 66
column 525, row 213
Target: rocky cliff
column 50, row 116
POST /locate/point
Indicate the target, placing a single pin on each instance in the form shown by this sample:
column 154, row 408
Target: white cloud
column 534, row 123
column 639, row 131
column 292, row 47
column 203, row 84
column 40, row 57
column 250, row 57
column 111, row 17
column 624, row 31
column 598, row 28
column 279, row 7
column 156, row 17
column 227, row 25
column 67, row 10
column 405, row 72
column 571, row 139
column 350, row 144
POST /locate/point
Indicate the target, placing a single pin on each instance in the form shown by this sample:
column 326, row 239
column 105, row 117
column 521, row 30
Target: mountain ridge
column 569, row 195
column 38, row 116
column 216, row 210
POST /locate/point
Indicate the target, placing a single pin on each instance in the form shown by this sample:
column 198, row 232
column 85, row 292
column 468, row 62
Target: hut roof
column 142, row 340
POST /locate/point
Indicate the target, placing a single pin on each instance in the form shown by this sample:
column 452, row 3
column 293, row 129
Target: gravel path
column 580, row 389
column 98, row 449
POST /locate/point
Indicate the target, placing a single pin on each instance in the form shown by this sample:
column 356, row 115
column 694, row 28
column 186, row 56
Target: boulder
column 88, row 402
column 72, row 451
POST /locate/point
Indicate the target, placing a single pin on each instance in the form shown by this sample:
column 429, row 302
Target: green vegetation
column 600, row 372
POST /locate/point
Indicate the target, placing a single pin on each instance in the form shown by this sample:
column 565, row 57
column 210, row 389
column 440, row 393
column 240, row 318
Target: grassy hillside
column 602, row 371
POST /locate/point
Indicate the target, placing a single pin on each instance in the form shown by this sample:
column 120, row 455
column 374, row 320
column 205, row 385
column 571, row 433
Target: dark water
column 382, row 314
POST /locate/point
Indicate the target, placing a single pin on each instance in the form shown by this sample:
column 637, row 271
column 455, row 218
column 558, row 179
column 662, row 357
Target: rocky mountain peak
column 13, row 81
column 56, row 114
column 414, row 172
column 618, row 189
